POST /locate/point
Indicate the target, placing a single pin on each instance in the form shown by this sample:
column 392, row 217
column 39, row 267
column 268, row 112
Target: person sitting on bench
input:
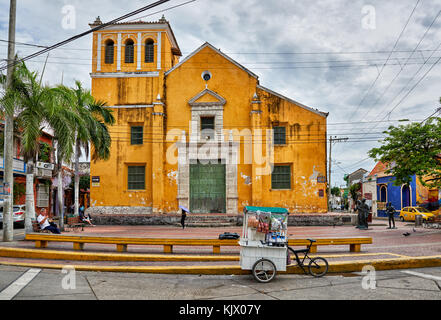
column 45, row 224
column 84, row 217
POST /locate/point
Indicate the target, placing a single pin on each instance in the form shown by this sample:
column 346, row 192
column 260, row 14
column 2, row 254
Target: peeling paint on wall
column 173, row 176
column 246, row 178
column 315, row 175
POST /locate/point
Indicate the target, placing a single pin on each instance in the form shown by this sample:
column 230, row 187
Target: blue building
column 399, row 196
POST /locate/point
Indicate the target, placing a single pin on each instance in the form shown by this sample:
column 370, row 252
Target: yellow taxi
column 409, row 213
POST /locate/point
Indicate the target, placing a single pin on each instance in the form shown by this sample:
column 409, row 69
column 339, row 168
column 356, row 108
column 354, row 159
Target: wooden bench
column 41, row 241
column 37, row 228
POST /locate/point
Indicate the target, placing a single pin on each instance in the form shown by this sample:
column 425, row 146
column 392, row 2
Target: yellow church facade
column 199, row 132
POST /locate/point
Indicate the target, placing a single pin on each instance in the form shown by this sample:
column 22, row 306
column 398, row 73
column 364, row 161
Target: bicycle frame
column 300, row 262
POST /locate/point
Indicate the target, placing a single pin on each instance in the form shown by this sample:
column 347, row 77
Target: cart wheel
column 264, row 271
column 318, row 267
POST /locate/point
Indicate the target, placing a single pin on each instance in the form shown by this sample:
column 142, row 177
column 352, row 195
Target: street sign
column 96, row 181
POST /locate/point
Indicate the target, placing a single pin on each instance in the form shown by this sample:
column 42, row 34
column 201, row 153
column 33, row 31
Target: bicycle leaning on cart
column 264, row 270
column 265, row 250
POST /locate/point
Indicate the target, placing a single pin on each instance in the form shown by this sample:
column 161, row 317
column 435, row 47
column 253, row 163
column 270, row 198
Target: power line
column 411, row 90
column 405, row 64
column 379, row 60
column 422, row 38
column 390, row 54
column 438, row 110
column 176, row 6
column 153, row 5
column 255, row 53
column 255, row 68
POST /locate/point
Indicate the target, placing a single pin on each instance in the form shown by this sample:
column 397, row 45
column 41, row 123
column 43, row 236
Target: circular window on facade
column 206, row 75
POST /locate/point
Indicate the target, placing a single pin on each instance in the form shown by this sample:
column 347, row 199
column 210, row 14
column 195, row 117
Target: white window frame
column 43, row 196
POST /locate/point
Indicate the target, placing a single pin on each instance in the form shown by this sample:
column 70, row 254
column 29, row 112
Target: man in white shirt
column 43, row 220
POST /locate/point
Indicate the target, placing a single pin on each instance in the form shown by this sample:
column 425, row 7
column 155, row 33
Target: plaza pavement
column 390, row 249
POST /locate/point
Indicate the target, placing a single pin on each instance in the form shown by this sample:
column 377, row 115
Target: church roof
column 205, row 45
column 316, row 111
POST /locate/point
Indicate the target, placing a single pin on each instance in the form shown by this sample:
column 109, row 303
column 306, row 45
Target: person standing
column 366, row 210
column 359, row 211
column 390, row 210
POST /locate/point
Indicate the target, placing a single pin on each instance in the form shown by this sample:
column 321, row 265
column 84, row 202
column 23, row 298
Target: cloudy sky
column 368, row 63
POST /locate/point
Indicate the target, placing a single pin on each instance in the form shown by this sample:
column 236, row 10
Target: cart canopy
column 267, row 209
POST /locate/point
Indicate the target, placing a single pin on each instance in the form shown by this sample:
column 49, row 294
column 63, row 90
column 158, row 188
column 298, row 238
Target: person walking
column 184, row 212
column 390, row 210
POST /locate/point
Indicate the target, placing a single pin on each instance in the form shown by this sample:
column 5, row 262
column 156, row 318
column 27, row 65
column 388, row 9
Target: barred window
column 43, row 196
column 281, row 177
column 279, row 135
column 149, row 51
column 109, row 52
column 136, row 178
column 137, row 135
column 130, row 51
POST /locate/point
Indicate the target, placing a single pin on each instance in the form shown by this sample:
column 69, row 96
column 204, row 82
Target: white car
column 18, row 214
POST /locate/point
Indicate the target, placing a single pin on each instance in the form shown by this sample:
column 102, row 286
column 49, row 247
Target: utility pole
column 8, row 174
column 331, row 141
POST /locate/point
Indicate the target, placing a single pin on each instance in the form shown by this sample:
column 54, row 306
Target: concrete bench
column 41, row 241
column 353, row 243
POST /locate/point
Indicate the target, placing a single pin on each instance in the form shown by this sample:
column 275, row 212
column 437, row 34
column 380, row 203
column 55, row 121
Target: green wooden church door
column 207, row 188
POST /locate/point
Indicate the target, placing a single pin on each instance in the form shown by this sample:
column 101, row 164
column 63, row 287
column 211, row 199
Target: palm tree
column 29, row 99
column 93, row 129
column 37, row 106
column 64, row 120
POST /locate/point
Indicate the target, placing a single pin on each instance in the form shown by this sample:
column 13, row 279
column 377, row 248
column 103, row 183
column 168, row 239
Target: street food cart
column 264, row 242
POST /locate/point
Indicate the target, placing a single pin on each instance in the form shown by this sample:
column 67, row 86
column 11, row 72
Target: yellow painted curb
column 335, row 267
column 94, row 256
column 84, row 256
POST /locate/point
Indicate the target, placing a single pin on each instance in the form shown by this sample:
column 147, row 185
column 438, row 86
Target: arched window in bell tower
column 130, row 51
column 109, row 52
column 149, row 51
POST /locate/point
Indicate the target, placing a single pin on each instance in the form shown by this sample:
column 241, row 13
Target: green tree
column 64, row 121
column 29, row 99
column 413, row 149
column 353, row 191
column 91, row 130
column 335, row 191
column 37, row 106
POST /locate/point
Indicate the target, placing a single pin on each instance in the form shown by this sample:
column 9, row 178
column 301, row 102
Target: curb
column 84, row 256
column 335, row 267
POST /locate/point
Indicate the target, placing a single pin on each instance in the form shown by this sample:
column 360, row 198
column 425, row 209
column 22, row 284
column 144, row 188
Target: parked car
column 18, row 212
column 409, row 213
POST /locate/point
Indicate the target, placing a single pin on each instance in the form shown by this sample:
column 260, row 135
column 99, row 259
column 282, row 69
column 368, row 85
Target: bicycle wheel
column 264, row 271
column 318, row 267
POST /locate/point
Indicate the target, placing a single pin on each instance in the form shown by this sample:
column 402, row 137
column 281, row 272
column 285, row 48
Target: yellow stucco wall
column 305, row 150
